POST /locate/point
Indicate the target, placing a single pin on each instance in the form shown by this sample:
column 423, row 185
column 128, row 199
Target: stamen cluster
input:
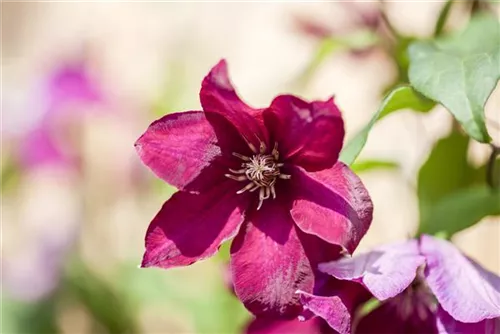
column 261, row 170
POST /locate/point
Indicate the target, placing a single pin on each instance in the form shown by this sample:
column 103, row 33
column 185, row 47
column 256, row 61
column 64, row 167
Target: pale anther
column 242, row 157
column 262, row 170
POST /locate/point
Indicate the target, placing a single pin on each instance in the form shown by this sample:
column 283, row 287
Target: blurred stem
column 479, row 5
column 443, row 16
column 492, row 181
column 475, row 6
column 110, row 309
column 387, row 22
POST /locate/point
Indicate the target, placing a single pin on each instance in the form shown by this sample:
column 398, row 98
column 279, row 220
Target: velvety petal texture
column 335, row 302
column 269, row 263
column 273, row 326
column 465, row 290
column 189, row 150
column 311, row 206
column 332, row 204
column 191, row 227
column 385, row 271
column 447, row 325
column 219, row 96
column 310, row 134
column 331, row 309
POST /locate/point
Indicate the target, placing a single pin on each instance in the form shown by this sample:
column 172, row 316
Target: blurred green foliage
column 400, row 98
column 29, row 317
column 370, row 165
column 453, row 194
column 327, row 47
column 107, row 307
column 460, row 210
column 445, row 171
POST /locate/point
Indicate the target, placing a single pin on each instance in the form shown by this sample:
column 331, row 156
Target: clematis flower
column 269, row 177
column 425, row 285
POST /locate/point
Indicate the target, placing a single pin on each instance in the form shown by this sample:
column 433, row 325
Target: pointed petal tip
column 222, row 62
column 145, row 263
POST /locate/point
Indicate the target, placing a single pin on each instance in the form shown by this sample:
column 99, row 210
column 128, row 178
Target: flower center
column 416, row 300
column 261, row 170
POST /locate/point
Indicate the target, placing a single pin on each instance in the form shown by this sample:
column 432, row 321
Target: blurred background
column 82, row 81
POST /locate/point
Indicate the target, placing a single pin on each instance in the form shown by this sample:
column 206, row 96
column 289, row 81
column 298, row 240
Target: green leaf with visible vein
column 461, row 210
column 460, row 72
column 400, row 98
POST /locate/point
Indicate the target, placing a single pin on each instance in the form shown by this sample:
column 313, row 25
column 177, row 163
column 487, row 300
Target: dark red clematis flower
column 268, row 177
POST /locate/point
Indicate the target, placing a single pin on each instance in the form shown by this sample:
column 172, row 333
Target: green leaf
column 400, row 98
column 460, row 72
column 370, row 165
column 452, row 194
column 461, row 210
column 445, row 171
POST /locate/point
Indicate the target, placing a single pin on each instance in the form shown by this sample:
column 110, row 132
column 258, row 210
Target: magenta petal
column 385, row 271
column 332, row 204
column 309, row 134
column 191, row 227
column 273, row 326
column 269, row 263
column 331, row 309
column 218, row 95
column 447, row 325
column 468, row 292
column 189, row 150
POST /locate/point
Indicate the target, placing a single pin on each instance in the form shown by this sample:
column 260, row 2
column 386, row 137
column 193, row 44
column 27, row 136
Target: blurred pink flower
column 67, row 94
column 306, row 203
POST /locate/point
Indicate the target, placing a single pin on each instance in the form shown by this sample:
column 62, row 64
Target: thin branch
column 490, row 168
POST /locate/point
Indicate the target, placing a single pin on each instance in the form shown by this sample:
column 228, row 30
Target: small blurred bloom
column 452, row 294
column 268, row 177
column 67, row 94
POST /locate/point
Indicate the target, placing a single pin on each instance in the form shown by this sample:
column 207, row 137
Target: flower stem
column 492, row 181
